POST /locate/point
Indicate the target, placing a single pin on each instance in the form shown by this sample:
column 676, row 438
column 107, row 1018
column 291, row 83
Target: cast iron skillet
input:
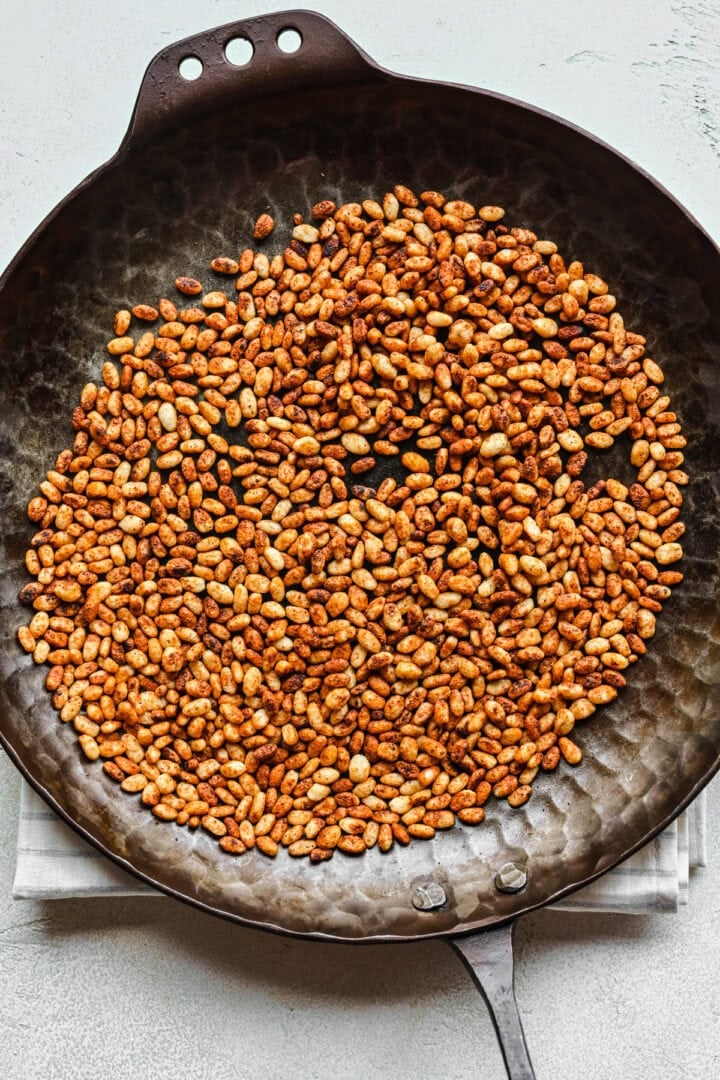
column 198, row 163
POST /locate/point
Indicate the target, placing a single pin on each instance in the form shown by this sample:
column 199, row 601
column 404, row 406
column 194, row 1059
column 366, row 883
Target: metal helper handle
column 488, row 956
column 325, row 56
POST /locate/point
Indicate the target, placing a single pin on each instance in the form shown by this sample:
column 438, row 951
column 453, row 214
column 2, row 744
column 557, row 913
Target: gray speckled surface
column 402, row 1011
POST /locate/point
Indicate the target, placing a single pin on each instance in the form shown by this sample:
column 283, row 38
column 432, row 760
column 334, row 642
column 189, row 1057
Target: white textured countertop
column 149, row 988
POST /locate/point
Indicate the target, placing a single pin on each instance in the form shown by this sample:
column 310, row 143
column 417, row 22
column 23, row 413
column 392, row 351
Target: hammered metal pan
column 199, row 161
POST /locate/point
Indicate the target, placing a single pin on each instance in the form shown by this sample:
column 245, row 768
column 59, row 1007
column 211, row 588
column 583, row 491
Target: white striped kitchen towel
column 54, row 863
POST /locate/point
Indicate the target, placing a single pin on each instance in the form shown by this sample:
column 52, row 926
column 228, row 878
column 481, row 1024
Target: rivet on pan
column 429, row 896
column 510, row 878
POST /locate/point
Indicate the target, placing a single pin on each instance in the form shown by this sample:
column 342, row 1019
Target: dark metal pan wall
column 201, row 161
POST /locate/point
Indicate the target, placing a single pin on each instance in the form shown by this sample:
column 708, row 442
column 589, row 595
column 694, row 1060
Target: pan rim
column 320, row 936
column 374, row 71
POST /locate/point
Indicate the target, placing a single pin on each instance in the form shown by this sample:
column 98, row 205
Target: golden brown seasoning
column 260, row 640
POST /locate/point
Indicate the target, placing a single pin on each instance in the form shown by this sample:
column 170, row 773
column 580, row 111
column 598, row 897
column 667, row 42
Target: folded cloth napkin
column 54, row 863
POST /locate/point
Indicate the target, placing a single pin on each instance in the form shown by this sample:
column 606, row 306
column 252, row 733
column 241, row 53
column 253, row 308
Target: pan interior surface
column 166, row 208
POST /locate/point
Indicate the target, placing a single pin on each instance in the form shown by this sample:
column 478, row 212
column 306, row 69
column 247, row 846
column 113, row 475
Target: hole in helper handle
column 488, row 956
column 324, row 56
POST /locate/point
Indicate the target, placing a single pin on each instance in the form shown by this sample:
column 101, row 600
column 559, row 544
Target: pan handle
column 325, row 56
column 488, row 956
